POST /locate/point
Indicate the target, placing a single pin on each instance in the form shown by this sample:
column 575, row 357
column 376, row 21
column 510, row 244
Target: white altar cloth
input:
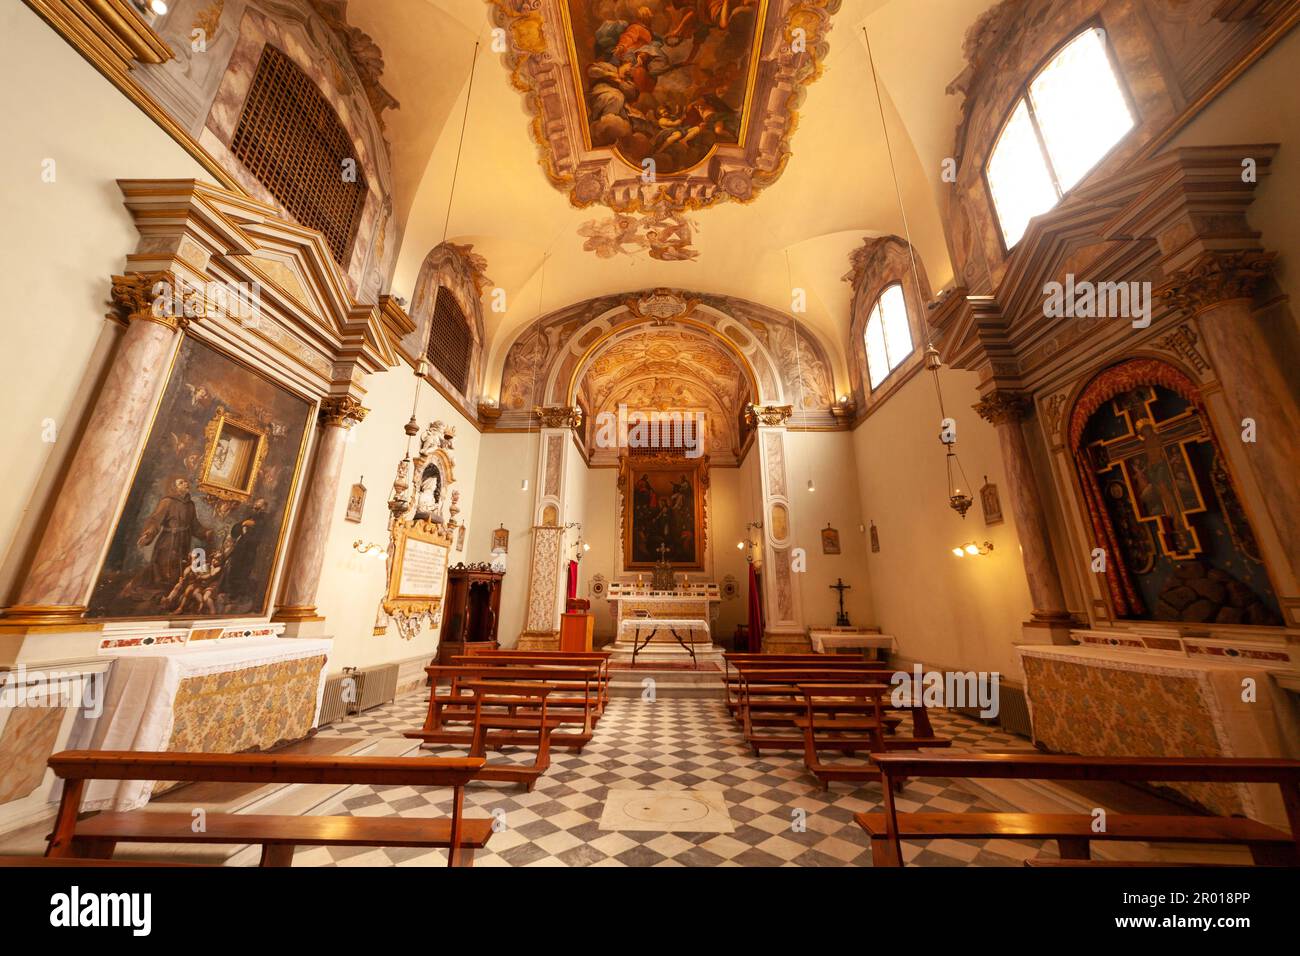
column 650, row 623
column 825, row 641
column 140, row 701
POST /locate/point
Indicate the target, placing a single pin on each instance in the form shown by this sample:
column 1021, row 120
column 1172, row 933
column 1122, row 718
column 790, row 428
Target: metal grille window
column 449, row 341
column 292, row 141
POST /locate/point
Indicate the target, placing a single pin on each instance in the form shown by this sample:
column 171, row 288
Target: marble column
column 62, row 572
column 1050, row 621
column 1256, row 376
column 297, row 604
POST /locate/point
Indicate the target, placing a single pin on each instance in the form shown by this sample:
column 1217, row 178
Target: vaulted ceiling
column 795, row 232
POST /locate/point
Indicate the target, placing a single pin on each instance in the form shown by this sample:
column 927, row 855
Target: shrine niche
column 1162, row 504
column 422, row 529
column 201, row 530
column 709, row 92
column 662, row 511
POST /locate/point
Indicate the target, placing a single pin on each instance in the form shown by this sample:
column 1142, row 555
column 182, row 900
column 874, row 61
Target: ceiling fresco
column 707, row 89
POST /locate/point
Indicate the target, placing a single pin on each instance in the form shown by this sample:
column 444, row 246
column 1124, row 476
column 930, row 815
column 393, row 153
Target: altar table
column 223, row 696
column 1112, row 702
column 827, row 641
column 652, row 624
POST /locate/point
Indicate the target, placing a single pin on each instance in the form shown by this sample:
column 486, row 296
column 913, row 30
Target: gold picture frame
column 232, row 457
column 418, row 589
column 656, row 478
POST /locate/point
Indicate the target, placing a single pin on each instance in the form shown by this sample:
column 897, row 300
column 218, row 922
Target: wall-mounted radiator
column 356, row 690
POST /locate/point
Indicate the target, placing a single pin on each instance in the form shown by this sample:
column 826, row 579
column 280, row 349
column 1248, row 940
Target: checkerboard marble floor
column 670, row 745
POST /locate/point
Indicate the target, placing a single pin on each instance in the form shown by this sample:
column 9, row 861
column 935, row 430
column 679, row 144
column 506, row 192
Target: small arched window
column 888, row 335
column 450, row 343
column 1070, row 116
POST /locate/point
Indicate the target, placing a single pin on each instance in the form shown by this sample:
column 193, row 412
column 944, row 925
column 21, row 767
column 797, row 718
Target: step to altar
column 670, row 667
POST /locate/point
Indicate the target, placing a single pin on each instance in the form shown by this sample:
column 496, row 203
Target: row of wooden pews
column 822, row 705
column 493, row 699
column 96, row 837
column 1075, row 833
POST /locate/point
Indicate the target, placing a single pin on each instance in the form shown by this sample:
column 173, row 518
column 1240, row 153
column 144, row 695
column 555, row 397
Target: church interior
column 651, row 433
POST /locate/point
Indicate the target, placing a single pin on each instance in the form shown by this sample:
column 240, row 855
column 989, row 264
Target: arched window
column 291, row 140
column 450, row 343
column 888, row 335
column 1071, row 115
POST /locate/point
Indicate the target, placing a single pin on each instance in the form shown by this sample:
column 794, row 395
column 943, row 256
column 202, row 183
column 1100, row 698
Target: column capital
column 341, row 411
column 769, row 415
column 1215, row 278
column 137, row 295
column 1002, row 407
column 559, row 416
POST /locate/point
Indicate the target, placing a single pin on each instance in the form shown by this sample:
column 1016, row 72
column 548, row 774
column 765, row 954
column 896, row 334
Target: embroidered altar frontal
column 1145, row 705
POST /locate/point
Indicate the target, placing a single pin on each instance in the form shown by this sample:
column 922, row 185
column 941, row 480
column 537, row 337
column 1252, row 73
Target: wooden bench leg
column 881, row 853
column 1073, row 848
column 277, row 854
column 1270, row 855
column 65, row 823
column 93, row 848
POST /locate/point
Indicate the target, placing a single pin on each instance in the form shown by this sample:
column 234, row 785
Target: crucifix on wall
column 1153, row 457
column 842, row 618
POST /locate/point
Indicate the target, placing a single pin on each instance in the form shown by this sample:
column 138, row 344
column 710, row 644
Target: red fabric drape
column 755, row 613
column 572, row 590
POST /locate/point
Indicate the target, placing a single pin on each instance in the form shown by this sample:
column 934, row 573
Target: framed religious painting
column 500, row 540
column 830, row 540
column 356, row 503
column 663, row 502
column 990, row 503
column 203, row 525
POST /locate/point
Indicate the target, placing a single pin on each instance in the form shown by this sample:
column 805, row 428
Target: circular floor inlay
column 670, row 808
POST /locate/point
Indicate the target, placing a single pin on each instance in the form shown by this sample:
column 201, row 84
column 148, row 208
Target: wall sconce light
column 523, row 485
column 811, row 486
column 740, row 546
column 369, row 548
column 973, row 549
column 156, row 7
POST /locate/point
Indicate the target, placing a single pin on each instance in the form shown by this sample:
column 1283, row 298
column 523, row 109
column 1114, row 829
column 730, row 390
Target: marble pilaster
column 1255, row 374
column 1050, row 621
column 297, row 604
column 62, row 573
column 783, row 628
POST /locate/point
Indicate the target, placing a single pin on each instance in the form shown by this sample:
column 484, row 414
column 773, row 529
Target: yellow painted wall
column 944, row 611
column 62, row 242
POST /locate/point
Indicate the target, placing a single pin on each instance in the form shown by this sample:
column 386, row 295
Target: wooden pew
column 97, row 836
column 855, row 732
column 732, row 678
column 508, row 658
column 1073, row 832
column 771, row 699
column 573, row 701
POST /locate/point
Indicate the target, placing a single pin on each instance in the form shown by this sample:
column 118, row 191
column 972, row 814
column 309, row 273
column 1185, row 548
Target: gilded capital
column 1002, row 408
column 559, row 416
column 1214, row 278
column 145, row 295
column 770, row 415
column 341, row 411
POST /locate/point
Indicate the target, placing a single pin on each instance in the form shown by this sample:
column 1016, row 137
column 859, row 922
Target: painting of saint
column 200, row 532
column 664, row 516
column 667, row 80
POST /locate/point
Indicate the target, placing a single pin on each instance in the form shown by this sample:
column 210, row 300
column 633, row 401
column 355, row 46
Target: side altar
column 636, row 600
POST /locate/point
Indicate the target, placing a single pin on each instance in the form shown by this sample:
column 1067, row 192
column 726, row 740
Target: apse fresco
column 1171, row 509
column 665, row 79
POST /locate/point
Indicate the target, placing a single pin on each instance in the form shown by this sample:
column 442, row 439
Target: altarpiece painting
column 663, row 507
column 206, row 513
